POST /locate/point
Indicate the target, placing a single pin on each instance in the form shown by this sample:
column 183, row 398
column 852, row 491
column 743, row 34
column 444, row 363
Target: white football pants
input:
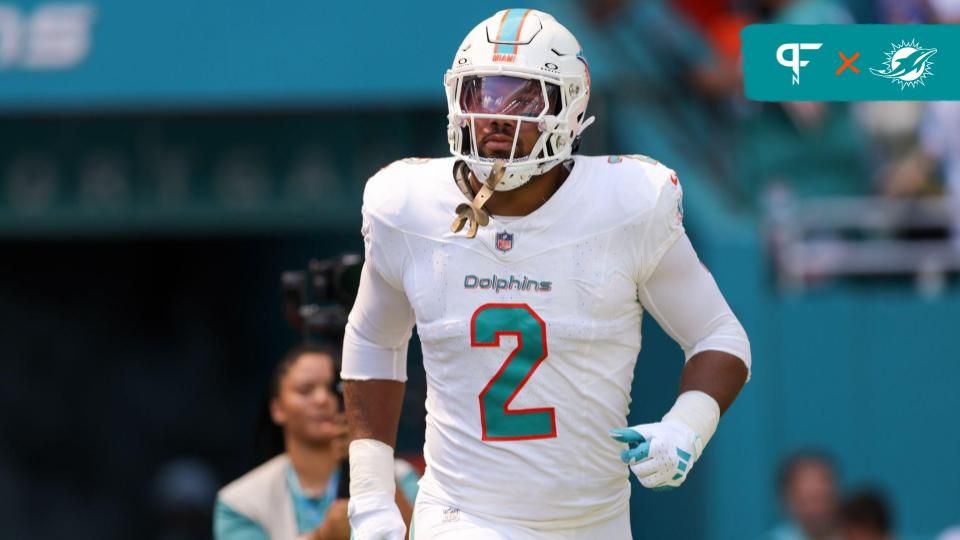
column 433, row 520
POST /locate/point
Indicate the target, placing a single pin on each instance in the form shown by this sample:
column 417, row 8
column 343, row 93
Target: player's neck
column 313, row 465
column 526, row 198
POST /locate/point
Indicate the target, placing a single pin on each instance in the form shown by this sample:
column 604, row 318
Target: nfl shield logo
column 504, row 241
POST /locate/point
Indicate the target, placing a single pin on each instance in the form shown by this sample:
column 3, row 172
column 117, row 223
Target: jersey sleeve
column 663, row 225
column 684, row 299
column 381, row 321
column 378, row 331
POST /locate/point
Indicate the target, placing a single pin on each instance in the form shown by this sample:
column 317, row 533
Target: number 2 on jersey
column 498, row 421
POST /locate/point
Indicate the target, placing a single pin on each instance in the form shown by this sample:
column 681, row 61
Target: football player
column 528, row 309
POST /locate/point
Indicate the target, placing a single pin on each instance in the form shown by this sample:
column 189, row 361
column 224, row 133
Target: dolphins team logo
column 907, row 64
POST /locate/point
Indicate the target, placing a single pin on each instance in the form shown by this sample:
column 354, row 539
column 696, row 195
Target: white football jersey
column 530, row 331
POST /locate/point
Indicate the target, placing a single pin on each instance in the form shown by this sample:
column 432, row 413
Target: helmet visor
column 501, row 94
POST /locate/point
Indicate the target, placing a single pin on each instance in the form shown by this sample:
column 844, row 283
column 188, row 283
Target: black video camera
column 317, row 301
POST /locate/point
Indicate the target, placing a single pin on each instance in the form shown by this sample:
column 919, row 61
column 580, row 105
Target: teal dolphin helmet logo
column 907, row 64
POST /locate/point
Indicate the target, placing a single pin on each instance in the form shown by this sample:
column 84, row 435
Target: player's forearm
column 718, row 374
column 375, row 358
column 373, row 412
column 373, row 409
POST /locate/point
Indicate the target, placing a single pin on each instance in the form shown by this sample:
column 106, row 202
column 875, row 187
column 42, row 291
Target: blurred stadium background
column 162, row 163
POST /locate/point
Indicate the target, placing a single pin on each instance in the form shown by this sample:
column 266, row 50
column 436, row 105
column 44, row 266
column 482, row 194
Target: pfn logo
column 794, row 62
column 53, row 36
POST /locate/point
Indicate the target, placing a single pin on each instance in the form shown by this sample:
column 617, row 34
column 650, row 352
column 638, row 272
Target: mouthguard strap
column 473, row 211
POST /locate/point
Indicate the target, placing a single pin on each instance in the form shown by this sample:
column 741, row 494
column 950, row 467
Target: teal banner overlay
column 856, row 62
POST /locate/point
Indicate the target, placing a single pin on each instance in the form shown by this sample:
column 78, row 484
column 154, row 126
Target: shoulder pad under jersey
column 410, row 191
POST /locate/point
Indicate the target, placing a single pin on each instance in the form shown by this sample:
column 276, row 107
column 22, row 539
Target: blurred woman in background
column 301, row 493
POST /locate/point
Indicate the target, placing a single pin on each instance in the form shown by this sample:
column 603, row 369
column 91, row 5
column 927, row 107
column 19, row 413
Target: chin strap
column 575, row 145
column 473, row 211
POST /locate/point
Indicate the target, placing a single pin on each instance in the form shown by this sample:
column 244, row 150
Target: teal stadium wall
column 866, row 372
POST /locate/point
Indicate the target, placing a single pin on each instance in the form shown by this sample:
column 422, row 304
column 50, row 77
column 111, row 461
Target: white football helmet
column 519, row 68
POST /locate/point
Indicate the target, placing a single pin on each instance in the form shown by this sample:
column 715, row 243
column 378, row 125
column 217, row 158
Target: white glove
column 375, row 516
column 661, row 454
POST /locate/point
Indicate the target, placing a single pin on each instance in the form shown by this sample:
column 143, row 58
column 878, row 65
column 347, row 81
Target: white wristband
column 371, row 468
column 698, row 411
